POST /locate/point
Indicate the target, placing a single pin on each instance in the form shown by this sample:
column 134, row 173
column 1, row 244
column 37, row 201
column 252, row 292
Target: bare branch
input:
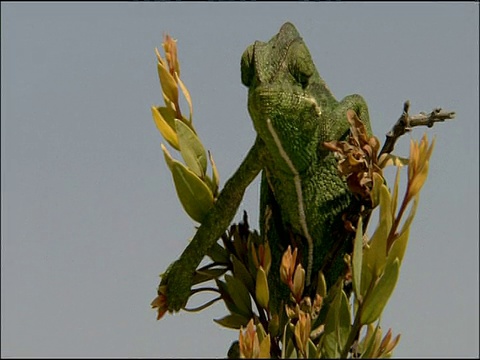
column 406, row 122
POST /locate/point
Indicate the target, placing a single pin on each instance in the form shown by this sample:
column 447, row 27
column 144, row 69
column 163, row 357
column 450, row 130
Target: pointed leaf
column 357, row 259
column 399, row 246
column 195, row 197
column 369, row 342
column 187, row 97
column 168, row 158
column 344, row 321
column 239, row 294
column 375, row 255
column 376, row 300
column 169, row 86
column 218, row 254
column 215, row 176
column 233, row 321
column 222, row 287
column 261, row 288
column 207, row 275
column 394, row 202
column 167, row 132
column 337, row 323
column 265, row 348
column 192, row 149
column 389, row 160
column 321, row 285
column 241, row 273
column 312, row 351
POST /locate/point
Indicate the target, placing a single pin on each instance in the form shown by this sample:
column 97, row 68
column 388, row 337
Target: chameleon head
column 282, row 80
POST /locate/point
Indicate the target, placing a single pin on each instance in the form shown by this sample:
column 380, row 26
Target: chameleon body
column 302, row 196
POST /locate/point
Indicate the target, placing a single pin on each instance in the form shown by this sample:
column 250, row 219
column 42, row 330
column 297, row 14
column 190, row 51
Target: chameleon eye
column 300, row 63
column 247, row 66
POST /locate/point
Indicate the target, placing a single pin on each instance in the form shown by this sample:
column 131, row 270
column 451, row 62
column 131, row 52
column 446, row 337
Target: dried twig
column 406, row 122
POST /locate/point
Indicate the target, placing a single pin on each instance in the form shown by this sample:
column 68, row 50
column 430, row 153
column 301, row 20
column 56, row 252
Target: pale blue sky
column 89, row 212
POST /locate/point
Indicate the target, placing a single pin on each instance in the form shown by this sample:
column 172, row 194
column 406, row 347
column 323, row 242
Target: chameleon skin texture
column 294, row 112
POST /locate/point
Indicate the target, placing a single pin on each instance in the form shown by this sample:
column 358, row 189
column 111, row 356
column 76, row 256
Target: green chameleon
column 303, row 199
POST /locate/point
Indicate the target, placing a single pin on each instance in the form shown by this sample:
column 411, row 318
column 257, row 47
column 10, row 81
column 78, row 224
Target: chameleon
column 302, row 198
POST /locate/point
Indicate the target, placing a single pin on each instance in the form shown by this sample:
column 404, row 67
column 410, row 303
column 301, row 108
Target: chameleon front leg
column 356, row 103
column 178, row 278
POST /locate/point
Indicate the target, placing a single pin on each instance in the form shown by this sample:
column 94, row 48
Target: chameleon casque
column 303, row 198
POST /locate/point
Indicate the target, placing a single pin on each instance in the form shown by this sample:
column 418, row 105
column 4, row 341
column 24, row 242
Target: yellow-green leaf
column 207, row 275
column 357, row 259
column 389, row 159
column 394, row 202
column 169, row 86
column 167, row 132
column 376, row 300
column 187, row 96
column 218, row 254
column 321, row 285
column 168, row 158
column 261, row 333
column 233, row 321
column 222, row 287
column 241, row 273
column 261, row 288
column 337, row 323
column 376, row 254
column 239, row 294
column 312, row 352
column 265, row 348
column 192, row 149
column 369, row 341
column 399, row 246
column 195, row 197
column 215, row 176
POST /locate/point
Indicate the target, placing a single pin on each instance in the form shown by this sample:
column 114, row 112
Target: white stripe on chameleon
column 298, row 189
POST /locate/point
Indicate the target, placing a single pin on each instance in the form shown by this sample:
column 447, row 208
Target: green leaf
column 215, row 176
column 239, row 294
column 330, row 346
column 375, row 255
column 337, row 323
column 187, row 96
column 369, row 341
column 218, row 254
column 165, row 129
column 240, row 272
column 357, row 259
column 261, row 288
column 321, row 285
column 207, row 275
column 169, row 87
column 289, row 348
column 395, row 193
column 265, row 348
column 291, row 351
column 399, row 246
column 168, row 158
column 222, row 287
column 312, row 351
column 344, row 320
column 377, row 298
column 195, row 197
column 233, row 321
column 392, row 160
column 192, row 149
